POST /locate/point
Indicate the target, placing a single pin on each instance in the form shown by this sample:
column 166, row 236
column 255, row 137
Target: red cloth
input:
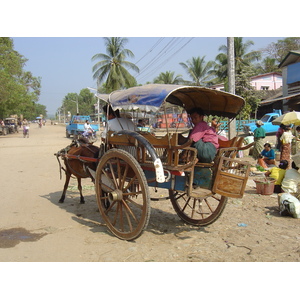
column 203, row 131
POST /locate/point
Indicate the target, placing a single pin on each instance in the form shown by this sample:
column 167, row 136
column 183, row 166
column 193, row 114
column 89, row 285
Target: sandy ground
column 34, row 227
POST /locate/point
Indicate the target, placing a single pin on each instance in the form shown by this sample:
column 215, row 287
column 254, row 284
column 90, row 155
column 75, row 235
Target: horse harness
column 63, row 153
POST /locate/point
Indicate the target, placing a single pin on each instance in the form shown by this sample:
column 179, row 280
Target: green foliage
column 268, row 65
column 113, row 66
column 19, row 89
column 220, row 68
column 85, row 100
column 198, row 70
column 244, row 89
column 111, row 71
column 279, row 50
column 242, row 58
column 168, row 78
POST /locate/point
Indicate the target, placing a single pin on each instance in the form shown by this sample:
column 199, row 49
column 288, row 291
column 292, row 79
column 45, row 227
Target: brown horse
column 76, row 166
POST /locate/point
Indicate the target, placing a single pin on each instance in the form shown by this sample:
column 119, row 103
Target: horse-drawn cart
column 128, row 163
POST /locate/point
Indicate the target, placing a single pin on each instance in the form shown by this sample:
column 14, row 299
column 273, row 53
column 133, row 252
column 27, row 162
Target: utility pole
column 64, row 114
column 59, row 112
column 98, row 108
column 231, row 81
column 77, row 110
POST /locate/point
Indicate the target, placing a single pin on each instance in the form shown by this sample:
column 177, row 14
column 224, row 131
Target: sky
column 65, row 63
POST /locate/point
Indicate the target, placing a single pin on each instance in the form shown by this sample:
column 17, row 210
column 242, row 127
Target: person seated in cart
column 115, row 122
column 140, row 124
column 204, row 137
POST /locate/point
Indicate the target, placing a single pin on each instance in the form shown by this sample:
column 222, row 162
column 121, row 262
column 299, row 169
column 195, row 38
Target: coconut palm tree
column 220, row 68
column 268, row 65
column 241, row 57
column 198, row 69
column 168, row 78
column 113, row 66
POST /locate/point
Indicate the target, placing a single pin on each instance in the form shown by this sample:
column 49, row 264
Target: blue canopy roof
column 152, row 96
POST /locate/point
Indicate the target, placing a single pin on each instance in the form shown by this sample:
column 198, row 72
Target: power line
column 160, row 53
column 166, row 60
column 165, row 51
column 153, row 47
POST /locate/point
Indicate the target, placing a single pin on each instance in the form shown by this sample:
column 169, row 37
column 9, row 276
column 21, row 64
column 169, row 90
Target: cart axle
column 116, row 195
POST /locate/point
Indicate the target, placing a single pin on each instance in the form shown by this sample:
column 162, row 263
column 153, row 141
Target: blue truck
column 76, row 125
column 267, row 120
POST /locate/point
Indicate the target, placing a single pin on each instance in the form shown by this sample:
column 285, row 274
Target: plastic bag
column 289, row 205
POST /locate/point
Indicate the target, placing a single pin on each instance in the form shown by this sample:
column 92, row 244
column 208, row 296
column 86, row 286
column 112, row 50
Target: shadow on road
column 161, row 221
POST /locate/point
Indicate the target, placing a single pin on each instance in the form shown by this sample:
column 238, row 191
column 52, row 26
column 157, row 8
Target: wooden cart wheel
column 122, row 194
column 198, row 211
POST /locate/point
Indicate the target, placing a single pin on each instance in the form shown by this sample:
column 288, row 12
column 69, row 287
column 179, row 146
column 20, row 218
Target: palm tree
column 220, row 68
column 198, row 69
column 113, row 65
column 268, row 65
column 241, row 57
column 168, row 78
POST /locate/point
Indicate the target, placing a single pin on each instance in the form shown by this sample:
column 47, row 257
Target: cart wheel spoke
column 131, row 213
column 197, row 211
column 124, row 175
column 121, row 182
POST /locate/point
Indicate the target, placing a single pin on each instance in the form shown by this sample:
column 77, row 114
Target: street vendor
column 204, row 137
column 291, row 180
column 286, row 140
column 259, row 135
column 268, row 154
column 278, row 174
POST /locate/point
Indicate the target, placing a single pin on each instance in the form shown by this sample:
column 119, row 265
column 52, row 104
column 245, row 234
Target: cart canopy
column 152, row 96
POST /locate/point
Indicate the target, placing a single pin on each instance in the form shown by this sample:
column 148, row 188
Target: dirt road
column 35, row 227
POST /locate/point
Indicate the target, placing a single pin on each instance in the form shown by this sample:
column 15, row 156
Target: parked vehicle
column 11, row 124
column 76, row 125
column 267, row 120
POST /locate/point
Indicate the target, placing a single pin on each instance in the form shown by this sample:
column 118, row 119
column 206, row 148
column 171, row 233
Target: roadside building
column 262, row 82
column 289, row 99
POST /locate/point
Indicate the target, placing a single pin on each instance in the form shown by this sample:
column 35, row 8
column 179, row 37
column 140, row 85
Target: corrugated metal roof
column 268, row 101
column 291, row 57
